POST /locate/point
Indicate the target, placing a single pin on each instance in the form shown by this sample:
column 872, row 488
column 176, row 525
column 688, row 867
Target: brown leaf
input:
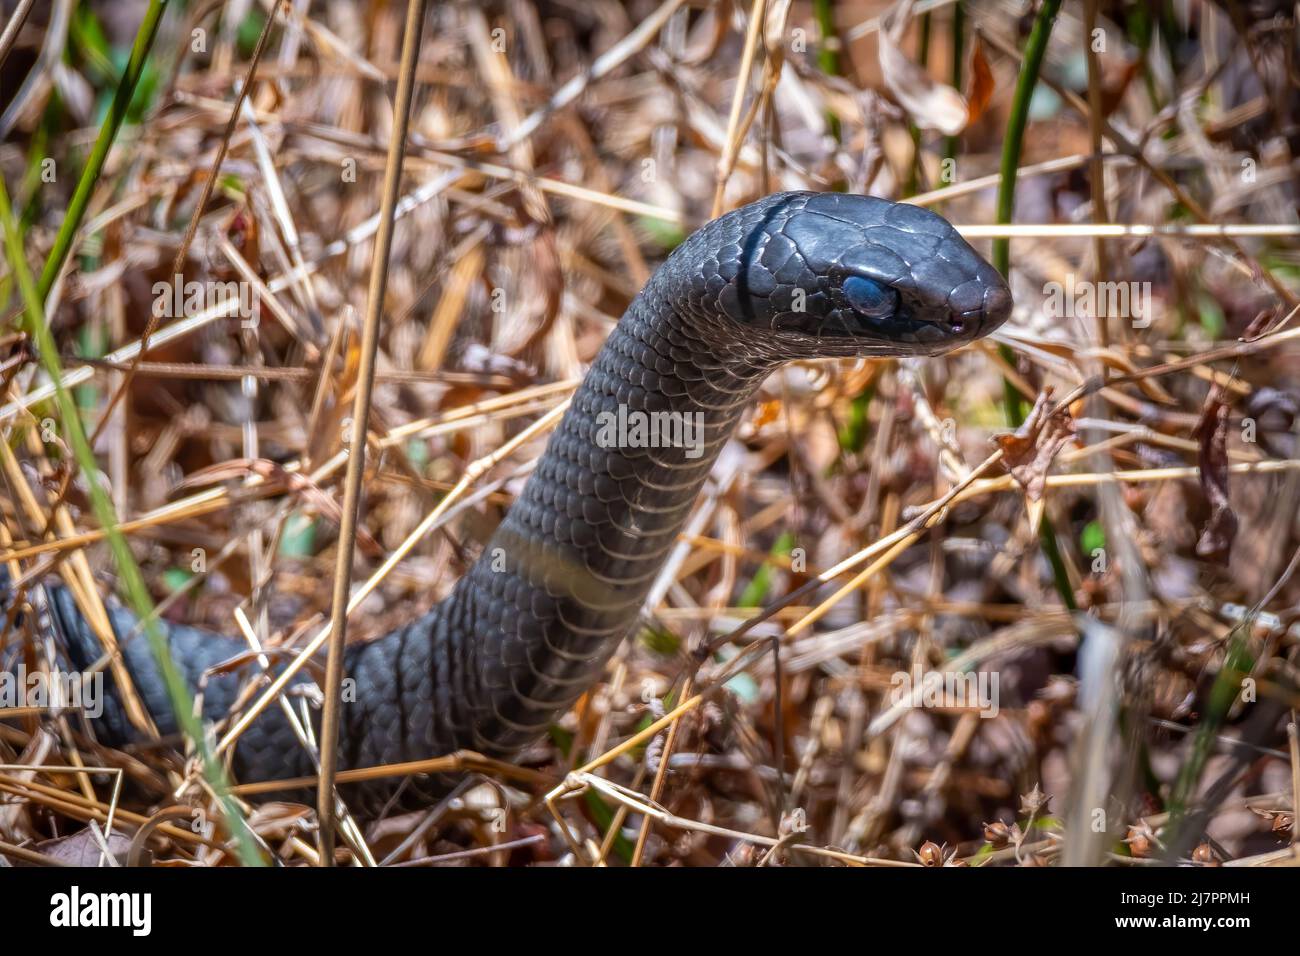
column 765, row 413
column 1211, row 433
column 981, row 83
column 278, row 821
column 1116, row 75
column 930, row 104
column 84, row 849
column 1261, row 323
column 543, row 284
column 548, row 280
column 312, row 494
column 240, row 227
column 774, row 27
column 1028, row 452
column 1112, row 359
column 712, row 28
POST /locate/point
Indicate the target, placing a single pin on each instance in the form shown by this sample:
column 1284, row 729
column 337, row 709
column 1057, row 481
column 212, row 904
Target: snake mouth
column 967, row 325
column 882, row 317
column 923, row 330
column 897, row 329
column 936, row 331
column 847, row 333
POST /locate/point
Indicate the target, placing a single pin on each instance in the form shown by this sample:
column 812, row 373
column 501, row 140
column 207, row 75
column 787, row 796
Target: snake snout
column 997, row 306
column 993, row 310
column 977, row 305
column 978, row 321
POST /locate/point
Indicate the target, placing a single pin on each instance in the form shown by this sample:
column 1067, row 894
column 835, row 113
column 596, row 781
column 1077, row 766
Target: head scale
column 831, row 274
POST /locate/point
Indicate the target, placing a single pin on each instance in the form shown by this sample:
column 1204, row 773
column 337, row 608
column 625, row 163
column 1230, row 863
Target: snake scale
column 529, row 628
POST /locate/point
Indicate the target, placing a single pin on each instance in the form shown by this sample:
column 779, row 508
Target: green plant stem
column 132, row 580
column 1035, row 48
column 923, row 60
column 1227, row 687
column 34, row 297
column 828, row 57
column 117, row 111
column 950, row 143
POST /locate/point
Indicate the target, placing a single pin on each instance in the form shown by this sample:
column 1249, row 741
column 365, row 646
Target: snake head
column 831, row 274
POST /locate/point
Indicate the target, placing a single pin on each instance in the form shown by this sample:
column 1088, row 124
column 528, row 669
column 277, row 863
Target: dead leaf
column 543, row 285
column 1211, row 433
column 312, row 494
column 710, row 31
column 240, row 227
column 1273, row 411
column 1261, row 323
column 930, row 104
column 1116, row 75
column 1028, row 452
column 240, row 660
column 84, row 848
column 766, row 412
column 981, row 83
column 774, row 29
column 279, row 821
column 1149, row 386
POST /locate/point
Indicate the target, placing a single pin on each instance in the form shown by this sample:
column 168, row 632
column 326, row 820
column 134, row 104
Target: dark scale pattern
column 530, row 627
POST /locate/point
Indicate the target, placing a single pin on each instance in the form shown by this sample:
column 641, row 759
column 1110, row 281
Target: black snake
column 529, row 628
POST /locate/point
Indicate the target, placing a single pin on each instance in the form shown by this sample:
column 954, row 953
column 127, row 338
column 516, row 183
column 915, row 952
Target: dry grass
column 867, row 523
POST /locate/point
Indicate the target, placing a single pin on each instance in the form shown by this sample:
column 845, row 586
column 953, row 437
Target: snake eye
column 870, row 298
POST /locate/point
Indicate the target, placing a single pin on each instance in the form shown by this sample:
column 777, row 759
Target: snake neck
column 565, row 575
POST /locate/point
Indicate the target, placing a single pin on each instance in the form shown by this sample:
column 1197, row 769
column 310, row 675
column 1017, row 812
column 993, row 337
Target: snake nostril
column 958, row 326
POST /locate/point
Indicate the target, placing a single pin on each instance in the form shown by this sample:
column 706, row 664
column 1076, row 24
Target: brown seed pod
column 997, row 833
column 1140, row 841
column 1205, row 855
column 930, row 854
column 1280, row 821
column 1033, row 801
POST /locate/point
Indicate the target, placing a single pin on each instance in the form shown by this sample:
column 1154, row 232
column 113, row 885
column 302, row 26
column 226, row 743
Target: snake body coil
column 531, row 625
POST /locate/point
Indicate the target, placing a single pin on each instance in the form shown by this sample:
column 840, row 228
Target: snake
column 563, row 579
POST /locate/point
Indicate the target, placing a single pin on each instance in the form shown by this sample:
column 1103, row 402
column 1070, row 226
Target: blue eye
column 869, row 297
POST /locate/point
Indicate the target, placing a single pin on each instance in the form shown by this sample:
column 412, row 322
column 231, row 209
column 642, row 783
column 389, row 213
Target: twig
column 329, row 733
